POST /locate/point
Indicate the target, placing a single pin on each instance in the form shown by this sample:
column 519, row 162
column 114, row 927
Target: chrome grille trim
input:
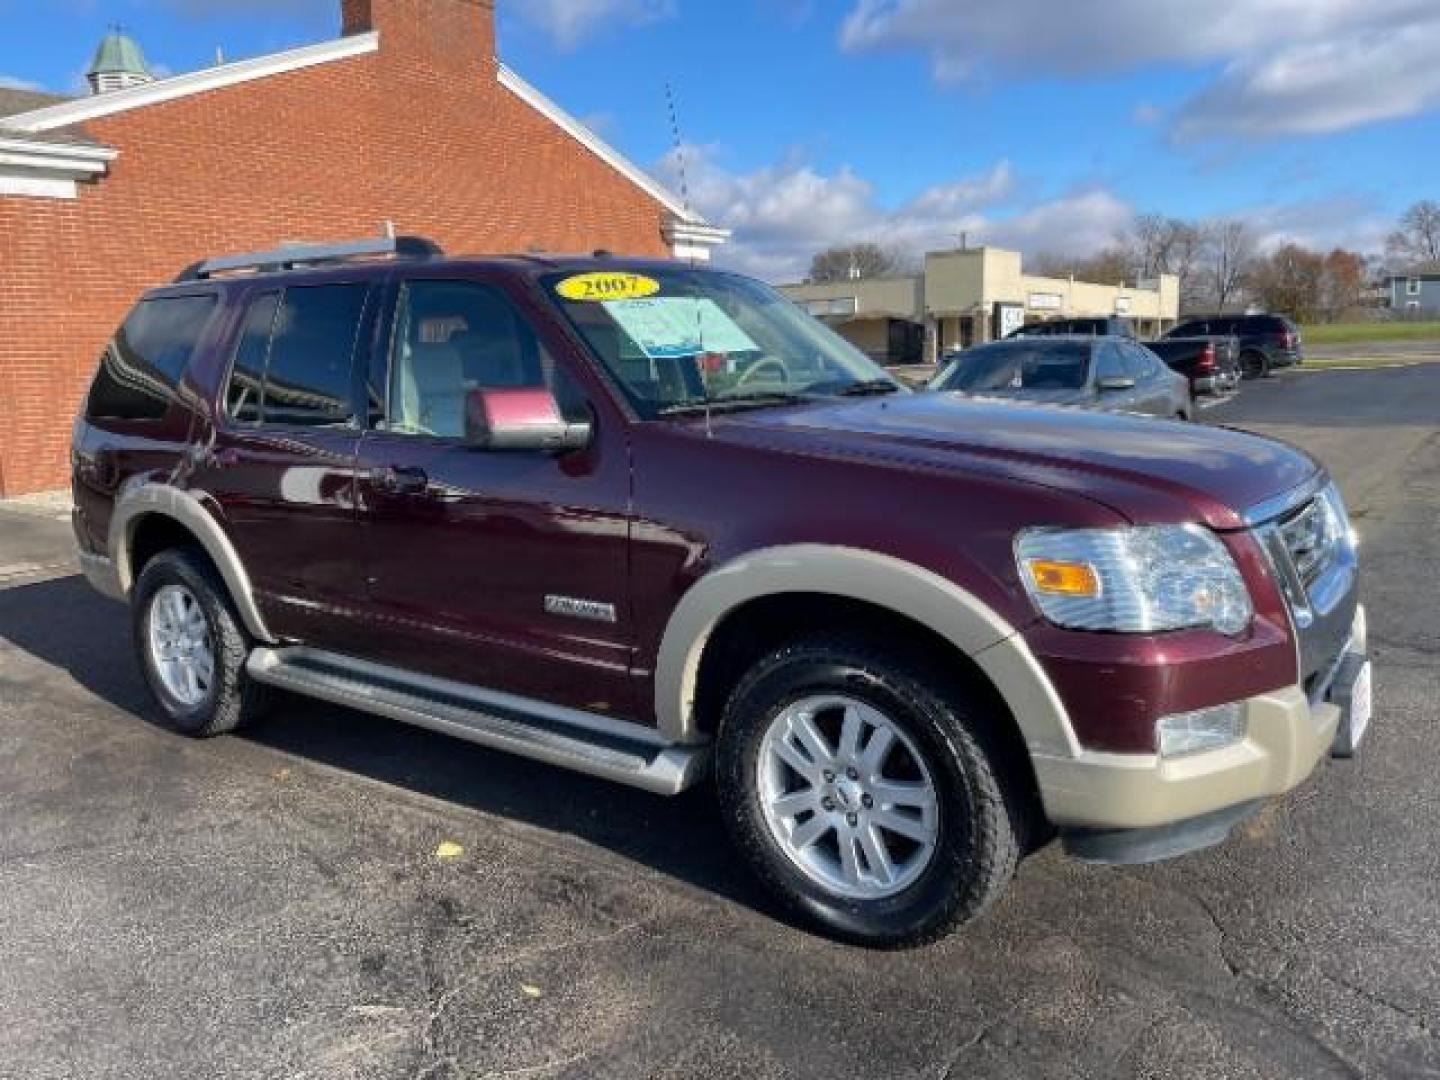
column 1310, row 550
column 1267, row 511
column 1311, row 539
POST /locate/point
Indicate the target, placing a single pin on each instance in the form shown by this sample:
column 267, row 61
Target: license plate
column 1361, row 695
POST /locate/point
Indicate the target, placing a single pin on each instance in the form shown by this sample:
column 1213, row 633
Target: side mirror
column 524, row 418
column 1116, row 382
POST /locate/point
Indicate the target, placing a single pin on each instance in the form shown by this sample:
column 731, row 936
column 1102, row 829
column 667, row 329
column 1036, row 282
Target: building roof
column 1424, row 269
column 119, row 54
column 14, row 100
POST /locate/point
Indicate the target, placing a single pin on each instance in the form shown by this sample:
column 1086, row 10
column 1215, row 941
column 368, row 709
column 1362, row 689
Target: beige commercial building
column 970, row 296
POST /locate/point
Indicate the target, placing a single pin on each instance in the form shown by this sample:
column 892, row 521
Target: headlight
column 1134, row 580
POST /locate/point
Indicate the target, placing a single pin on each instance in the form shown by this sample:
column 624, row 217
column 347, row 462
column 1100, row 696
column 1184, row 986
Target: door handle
column 401, row 480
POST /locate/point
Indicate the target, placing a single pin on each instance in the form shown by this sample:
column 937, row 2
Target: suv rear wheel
column 864, row 796
column 191, row 647
column 1254, row 364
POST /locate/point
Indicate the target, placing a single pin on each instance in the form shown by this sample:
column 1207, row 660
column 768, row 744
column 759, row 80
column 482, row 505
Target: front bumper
column 1288, row 734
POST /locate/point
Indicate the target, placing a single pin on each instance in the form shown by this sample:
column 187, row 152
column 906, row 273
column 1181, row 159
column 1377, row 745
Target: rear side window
column 294, row 357
column 148, row 357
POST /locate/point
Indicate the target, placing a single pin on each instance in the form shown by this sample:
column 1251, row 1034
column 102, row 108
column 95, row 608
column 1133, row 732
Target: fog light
column 1203, row 729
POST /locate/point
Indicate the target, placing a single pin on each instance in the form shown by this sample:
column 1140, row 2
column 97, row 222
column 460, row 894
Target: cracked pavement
column 272, row 905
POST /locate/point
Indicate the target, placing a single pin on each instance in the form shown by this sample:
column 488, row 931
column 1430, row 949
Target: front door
column 1152, row 390
column 499, row 568
column 1110, row 365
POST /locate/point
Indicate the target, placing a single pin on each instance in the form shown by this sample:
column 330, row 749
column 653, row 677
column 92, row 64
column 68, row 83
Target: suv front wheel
column 859, row 788
column 191, row 647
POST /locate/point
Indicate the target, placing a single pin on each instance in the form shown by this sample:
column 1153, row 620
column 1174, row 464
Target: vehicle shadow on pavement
column 66, row 625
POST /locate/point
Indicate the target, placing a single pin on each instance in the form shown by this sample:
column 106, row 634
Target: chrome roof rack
column 293, row 256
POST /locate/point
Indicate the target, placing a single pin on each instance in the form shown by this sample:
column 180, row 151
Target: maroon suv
column 647, row 520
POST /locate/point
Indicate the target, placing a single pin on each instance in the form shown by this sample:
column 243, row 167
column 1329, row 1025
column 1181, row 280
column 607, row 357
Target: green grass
column 1358, row 361
column 1354, row 333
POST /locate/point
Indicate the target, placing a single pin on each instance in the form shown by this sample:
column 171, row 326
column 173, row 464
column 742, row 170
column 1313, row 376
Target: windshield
column 1008, row 368
column 677, row 338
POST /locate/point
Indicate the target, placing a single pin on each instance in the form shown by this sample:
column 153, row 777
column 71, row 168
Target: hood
column 1150, row 471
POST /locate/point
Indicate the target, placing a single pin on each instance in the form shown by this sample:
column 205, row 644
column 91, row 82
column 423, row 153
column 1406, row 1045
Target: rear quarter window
column 145, row 361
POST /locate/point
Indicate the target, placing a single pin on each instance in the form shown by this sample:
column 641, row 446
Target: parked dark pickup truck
column 1211, row 363
column 654, row 523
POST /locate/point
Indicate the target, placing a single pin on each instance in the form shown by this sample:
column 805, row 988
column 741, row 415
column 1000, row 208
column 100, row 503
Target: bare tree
column 1156, row 244
column 1112, row 266
column 1230, row 251
column 1148, row 242
column 1418, row 238
column 852, row 261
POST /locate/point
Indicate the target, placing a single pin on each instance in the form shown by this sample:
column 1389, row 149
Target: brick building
column 408, row 117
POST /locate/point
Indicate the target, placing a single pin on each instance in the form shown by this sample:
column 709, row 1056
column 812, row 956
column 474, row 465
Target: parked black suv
column 1266, row 341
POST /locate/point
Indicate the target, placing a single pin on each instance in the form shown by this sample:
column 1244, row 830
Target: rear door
column 282, row 465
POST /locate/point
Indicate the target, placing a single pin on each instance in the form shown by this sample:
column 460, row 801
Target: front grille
column 1311, row 538
column 1312, row 554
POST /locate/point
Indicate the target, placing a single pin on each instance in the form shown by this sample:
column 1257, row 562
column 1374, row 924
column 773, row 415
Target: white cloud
column 569, row 22
column 9, row 82
column 1350, row 221
column 1286, row 66
column 1320, row 87
column 784, row 213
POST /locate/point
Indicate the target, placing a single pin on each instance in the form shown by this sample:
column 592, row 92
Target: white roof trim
column 596, row 145
column 194, row 82
column 681, row 231
column 66, row 159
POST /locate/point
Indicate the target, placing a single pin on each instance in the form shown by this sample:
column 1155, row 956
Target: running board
column 598, row 745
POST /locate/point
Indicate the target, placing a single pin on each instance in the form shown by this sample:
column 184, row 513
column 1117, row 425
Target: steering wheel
column 771, row 362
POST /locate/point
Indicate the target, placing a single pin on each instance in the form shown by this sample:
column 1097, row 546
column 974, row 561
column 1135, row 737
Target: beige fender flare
column 186, row 509
column 972, row 627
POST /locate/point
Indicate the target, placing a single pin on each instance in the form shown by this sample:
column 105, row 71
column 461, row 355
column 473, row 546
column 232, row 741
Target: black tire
column 1254, row 364
column 981, row 816
column 233, row 699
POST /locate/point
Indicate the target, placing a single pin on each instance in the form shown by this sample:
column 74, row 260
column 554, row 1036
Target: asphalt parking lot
column 273, row 905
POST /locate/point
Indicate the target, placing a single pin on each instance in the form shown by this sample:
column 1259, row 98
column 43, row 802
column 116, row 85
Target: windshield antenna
column 702, row 361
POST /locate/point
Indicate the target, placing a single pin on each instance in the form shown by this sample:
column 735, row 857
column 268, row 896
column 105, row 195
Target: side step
column 585, row 742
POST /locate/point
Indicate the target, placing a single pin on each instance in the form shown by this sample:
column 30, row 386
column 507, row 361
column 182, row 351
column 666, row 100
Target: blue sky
column 1029, row 123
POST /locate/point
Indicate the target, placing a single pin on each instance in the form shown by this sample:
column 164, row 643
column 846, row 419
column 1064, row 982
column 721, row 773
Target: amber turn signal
column 1064, row 578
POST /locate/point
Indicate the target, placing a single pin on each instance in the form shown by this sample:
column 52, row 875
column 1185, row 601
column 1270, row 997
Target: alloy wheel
column 182, row 649
column 848, row 797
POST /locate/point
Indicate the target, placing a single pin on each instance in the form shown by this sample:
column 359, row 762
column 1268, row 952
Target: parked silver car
column 1111, row 373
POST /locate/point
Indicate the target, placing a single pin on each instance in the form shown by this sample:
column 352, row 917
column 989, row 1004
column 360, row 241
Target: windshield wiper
column 870, row 388
column 733, row 402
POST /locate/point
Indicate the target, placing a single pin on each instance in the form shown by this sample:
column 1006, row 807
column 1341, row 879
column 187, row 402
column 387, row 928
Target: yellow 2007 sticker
column 608, row 285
